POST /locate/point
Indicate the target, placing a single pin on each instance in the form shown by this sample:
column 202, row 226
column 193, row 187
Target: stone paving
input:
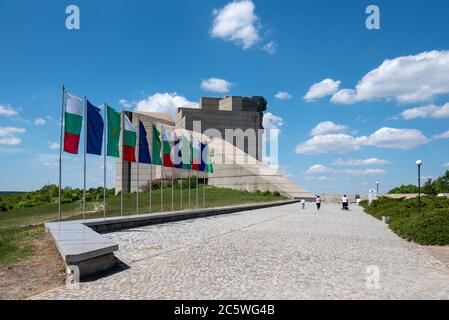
column 273, row 253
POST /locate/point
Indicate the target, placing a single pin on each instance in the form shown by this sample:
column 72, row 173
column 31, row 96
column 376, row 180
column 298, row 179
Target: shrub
column 430, row 226
column 3, row 206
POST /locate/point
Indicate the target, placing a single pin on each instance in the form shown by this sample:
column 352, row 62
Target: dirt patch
column 441, row 253
column 43, row 271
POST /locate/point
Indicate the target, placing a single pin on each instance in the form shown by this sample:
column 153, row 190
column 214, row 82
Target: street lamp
column 377, row 187
column 419, row 164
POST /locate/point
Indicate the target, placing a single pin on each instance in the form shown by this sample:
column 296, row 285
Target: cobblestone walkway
column 274, row 253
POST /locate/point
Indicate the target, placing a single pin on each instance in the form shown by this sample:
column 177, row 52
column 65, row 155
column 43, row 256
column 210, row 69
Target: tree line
column 430, row 187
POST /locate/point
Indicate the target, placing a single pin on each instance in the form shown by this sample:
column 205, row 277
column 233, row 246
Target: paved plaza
column 273, row 253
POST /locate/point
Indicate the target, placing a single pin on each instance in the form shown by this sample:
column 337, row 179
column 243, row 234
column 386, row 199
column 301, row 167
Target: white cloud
column 363, row 172
column 238, row 23
column 164, row 103
column 390, row 138
column 360, row 162
column 345, row 96
column 7, row 111
column 8, row 135
column 406, row 79
column 321, row 89
column 270, row 47
column 48, row 159
column 446, row 165
column 318, row 168
column 272, row 124
column 53, row 145
column 330, row 143
column 216, row 85
column 444, row 135
column 10, row 141
column 283, row 95
column 429, row 111
column 39, row 122
column 320, row 178
column 270, row 121
column 126, row 103
column 327, row 127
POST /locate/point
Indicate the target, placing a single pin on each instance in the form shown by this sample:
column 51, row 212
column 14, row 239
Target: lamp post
column 377, row 188
column 419, row 164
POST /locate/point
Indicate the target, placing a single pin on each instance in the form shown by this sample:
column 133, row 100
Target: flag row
column 167, row 149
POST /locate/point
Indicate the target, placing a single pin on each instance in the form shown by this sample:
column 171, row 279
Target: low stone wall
column 127, row 222
column 399, row 196
column 80, row 244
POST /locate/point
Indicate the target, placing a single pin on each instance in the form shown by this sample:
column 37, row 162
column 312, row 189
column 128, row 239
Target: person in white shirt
column 303, row 204
column 345, row 202
column 318, row 202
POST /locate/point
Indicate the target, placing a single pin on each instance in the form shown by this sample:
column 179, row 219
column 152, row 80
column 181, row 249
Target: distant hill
column 12, row 192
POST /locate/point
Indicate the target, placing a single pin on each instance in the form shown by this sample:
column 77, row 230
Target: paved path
column 273, row 253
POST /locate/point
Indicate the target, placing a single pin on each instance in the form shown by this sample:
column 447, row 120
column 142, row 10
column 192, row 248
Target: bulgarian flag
column 196, row 154
column 129, row 140
column 167, row 149
column 156, row 147
column 73, row 119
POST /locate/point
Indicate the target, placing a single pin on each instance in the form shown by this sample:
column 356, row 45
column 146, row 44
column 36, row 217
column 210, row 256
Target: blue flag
column 144, row 150
column 202, row 166
column 95, row 126
column 177, row 149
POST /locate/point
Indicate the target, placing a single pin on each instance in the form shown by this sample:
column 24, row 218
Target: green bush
column 49, row 195
column 404, row 189
column 3, row 206
column 430, row 226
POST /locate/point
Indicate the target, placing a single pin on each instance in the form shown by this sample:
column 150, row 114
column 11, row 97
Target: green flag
column 156, row 147
column 113, row 132
column 186, row 154
column 209, row 166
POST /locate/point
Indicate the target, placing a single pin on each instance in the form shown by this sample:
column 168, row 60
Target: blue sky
column 157, row 53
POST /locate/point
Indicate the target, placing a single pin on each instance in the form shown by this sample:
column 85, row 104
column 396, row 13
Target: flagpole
column 138, row 160
column 162, row 169
column 85, row 146
column 197, row 180
column 204, row 180
column 105, row 106
column 123, row 140
column 172, row 176
column 60, row 151
column 151, row 168
column 191, row 164
column 182, row 172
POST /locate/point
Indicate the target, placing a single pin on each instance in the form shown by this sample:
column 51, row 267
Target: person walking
column 318, row 203
column 345, row 203
column 303, row 204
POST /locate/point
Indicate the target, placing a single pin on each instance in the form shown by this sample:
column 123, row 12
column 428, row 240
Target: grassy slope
column 16, row 232
column 15, row 243
column 428, row 227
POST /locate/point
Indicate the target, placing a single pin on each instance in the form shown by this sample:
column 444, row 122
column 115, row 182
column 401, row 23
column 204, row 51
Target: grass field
column 430, row 226
column 19, row 226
